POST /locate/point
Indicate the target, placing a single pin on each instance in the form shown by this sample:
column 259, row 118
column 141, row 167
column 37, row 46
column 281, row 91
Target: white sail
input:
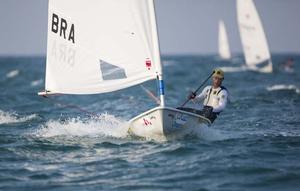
column 224, row 50
column 253, row 37
column 97, row 46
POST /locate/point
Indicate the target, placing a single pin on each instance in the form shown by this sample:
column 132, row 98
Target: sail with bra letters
column 99, row 46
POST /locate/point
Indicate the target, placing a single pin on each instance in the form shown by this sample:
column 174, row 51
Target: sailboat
column 101, row 46
column 253, row 38
column 224, row 50
column 254, row 42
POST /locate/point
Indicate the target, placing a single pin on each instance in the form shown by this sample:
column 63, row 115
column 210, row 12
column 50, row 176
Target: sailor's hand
column 192, row 95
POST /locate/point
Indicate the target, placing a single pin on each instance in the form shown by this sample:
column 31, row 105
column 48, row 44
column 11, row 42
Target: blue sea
column 81, row 143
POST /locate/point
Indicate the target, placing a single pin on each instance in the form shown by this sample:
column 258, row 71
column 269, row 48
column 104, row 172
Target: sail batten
column 253, row 37
column 100, row 46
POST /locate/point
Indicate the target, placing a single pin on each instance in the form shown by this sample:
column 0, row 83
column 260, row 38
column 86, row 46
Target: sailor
column 288, row 65
column 214, row 96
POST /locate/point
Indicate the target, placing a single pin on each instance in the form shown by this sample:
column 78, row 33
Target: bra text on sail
column 60, row 26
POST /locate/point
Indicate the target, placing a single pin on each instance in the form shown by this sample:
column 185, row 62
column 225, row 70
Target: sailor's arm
column 222, row 102
column 203, row 94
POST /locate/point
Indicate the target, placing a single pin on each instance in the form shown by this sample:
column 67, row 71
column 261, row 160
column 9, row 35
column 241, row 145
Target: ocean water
column 56, row 144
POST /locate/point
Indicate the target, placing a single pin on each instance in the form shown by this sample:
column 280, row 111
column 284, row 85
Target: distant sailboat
column 254, row 42
column 224, row 49
column 99, row 46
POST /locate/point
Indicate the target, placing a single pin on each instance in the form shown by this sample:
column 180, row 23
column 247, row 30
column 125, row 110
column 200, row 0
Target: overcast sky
column 185, row 26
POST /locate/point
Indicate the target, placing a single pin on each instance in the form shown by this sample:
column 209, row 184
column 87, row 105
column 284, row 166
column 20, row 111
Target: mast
column 157, row 50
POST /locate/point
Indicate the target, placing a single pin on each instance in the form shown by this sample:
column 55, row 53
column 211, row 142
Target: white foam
column 12, row 73
column 283, row 87
column 289, row 134
column 211, row 134
column 36, row 82
column 103, row 125
column 7, row 118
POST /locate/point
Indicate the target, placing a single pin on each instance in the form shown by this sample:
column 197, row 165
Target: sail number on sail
column 60, row 25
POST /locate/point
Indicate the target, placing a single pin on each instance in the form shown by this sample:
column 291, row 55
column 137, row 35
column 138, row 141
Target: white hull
column 164, row 123
column 244, row 68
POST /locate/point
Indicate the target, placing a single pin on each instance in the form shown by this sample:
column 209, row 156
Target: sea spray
column 102, row 125
column 7, row 118
column 12, row 73
column 282, row 87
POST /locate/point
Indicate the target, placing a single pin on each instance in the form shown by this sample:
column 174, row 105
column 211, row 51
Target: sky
column 185, row 26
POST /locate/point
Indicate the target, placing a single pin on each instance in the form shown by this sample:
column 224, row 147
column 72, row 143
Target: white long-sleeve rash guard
column 214, row 97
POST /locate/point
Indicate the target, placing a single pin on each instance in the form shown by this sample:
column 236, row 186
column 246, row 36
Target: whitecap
column 103, row 125
column 12, row 73
column 279, row 87
column 36, row 82
column 289, row 134
column 7, row 118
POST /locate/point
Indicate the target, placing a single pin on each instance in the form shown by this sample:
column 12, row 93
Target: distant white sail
column 97, row 46
column 224, row 50
column 253, row 37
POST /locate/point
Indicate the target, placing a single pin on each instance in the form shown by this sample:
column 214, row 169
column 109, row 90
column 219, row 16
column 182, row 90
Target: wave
column 169, row 62
column 289, row 134
column 36, row 82
column 7, row 118
column 295, row 133
column 103, row 125
column 109, row 126
column 12, row 73
column 279, row 87
column 212, row 134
